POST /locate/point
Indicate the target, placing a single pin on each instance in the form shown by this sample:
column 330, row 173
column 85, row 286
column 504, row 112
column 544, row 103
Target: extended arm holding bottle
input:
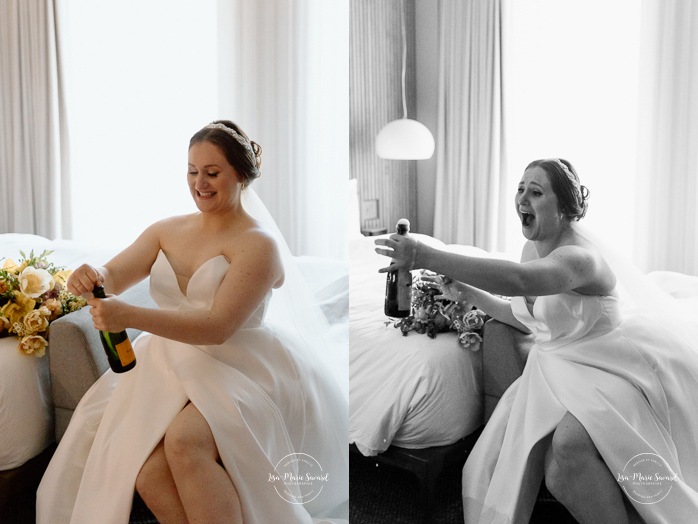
column 565, row 269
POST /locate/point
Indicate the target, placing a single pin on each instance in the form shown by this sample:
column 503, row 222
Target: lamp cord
column 404, row 58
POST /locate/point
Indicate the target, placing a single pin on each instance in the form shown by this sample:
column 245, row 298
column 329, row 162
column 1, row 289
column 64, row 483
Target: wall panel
column 375, row 83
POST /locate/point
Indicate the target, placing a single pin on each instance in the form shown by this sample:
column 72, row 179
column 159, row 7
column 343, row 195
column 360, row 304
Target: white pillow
column 678, row 285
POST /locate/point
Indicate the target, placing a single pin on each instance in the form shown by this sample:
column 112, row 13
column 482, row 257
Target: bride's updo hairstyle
column 571, row 194
column 240, row 152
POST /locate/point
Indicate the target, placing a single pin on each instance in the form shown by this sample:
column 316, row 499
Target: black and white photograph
column 528, row 170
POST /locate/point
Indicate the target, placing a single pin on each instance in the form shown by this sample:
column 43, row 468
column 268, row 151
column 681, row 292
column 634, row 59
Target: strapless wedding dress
column 633, row 389
column 263, row 402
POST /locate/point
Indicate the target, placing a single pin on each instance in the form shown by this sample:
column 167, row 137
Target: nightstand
column 374, row 231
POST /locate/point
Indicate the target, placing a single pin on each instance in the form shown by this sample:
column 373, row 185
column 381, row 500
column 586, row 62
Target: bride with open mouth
column 611, row 375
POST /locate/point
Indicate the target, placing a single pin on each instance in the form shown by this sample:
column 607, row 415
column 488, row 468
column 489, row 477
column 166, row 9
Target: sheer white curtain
column 33, row 184
column 571, row 91
column 285, row 77
column 469, row 194
column 140, row 79
column 668, row 161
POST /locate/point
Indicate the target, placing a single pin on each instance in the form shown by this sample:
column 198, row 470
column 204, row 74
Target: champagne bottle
column 117, row 346
column 398, row 284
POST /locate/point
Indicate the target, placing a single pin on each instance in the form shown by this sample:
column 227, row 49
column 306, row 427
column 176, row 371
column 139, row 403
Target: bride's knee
column 571, row 445
column 152, row 475
column 189, row 441
column 181, row 448
column 555, row 480
column 571, row 449
column 146, row 484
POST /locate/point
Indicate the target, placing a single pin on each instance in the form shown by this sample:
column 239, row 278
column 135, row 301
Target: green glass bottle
column 117, row 346
column 398, row 284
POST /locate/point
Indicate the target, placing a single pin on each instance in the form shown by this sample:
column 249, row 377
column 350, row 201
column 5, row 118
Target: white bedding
column 26, row 412
column 413, row 391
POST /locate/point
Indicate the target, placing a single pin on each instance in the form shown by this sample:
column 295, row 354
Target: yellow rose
column 15, row 310
column 36, row 321
column 33, row 344
column 10, row 266
column 4, row 324
column 54, row 307
column 62, row 277
column 75, row 305
column 35, row 282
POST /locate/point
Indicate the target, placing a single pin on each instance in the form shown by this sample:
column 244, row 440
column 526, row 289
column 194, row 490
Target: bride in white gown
column 605, row 407
column 228, row 416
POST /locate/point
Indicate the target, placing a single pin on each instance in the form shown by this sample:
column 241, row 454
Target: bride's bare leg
column 157, row 488
column 578, row 477
column 204, row 487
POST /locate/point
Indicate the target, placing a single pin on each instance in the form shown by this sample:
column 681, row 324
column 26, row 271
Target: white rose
column 470, row 341
column 473, row 320
column 34, row 282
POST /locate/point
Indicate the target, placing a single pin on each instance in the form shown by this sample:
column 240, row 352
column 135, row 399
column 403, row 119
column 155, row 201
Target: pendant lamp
column 404, row 139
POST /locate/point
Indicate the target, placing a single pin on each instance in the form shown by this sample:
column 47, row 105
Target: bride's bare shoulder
column 592, row 250
column 255, row 237
column 174, row 222
column 173, row 227
column 585, row 253
column 256, row 247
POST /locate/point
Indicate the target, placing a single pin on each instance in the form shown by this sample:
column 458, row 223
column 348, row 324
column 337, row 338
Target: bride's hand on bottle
column 109, row 314
column 401, row 248
column 83, row 280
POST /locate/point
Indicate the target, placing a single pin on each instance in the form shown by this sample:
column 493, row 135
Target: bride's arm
column 566, row 268
column 496, row 307
column 253, row 271
column 126, row 269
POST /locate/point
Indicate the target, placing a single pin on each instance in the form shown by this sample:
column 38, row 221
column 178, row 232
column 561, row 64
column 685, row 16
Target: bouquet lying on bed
column 32, row 295
column 432, row 314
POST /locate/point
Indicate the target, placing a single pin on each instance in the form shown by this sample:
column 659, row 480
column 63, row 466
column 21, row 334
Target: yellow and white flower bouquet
column 32, row 295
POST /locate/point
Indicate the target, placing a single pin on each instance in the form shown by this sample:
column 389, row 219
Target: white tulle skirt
column 262, row 402
column 632, row 389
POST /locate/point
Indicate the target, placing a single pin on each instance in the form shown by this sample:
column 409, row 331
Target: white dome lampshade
column 405, row 139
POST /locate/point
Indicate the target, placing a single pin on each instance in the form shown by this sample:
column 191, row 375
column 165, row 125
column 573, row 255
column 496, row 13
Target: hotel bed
column 409, row 391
